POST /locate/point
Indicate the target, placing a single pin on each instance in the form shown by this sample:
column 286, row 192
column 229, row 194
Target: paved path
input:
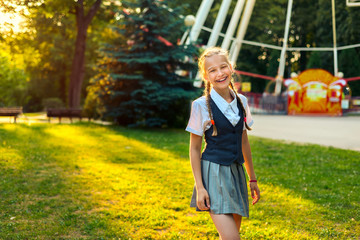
column 42, row 118
column 340, row 132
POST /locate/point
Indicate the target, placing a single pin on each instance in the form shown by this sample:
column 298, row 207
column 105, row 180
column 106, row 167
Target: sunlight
column 12, row 22
column 122, row 182
column 71, row 135
column 10, row 158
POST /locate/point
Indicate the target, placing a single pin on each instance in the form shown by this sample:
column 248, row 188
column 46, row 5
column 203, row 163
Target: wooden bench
column 64, row 112
column 11, row 112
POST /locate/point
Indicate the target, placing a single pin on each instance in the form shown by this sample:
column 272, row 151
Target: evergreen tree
column 138, row 82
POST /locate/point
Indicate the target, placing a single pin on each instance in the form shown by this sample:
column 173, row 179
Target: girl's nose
column 219, row 71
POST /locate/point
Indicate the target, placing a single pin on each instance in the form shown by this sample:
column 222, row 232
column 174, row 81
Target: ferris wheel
column 240, row 18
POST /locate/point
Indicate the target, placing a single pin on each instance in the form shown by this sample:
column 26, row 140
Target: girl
column 223, row 117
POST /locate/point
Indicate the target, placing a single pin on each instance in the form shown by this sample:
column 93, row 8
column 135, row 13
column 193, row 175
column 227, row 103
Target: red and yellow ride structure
column 315, row 91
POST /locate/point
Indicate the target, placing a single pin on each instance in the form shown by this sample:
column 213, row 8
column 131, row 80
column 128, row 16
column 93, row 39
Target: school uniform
column 222, row 160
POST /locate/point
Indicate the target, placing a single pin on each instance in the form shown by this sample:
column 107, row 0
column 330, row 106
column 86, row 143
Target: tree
column 349, row 64
column 266, row 26
column 314, row 60
column 83, row 21
column 138, row 81
column 59, row 46
column 12, row 82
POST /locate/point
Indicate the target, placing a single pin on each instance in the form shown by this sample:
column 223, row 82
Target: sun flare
column 11, row 21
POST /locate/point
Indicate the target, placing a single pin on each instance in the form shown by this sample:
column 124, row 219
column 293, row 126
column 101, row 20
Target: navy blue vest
column 226, row 147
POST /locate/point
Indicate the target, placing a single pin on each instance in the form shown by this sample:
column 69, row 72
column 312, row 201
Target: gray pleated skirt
column 227, row 188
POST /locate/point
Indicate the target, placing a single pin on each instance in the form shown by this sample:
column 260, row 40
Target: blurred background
column 133, row 62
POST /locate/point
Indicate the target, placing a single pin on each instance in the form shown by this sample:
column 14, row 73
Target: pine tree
column 138, row 82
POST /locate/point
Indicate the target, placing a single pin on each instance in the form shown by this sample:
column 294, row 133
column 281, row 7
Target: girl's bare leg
column 226, row 226
column 237, row 219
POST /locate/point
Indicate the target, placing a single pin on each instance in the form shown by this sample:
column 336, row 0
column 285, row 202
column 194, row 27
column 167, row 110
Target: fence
column 266, row 103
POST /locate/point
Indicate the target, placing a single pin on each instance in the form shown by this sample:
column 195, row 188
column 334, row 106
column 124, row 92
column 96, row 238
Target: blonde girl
column 223, row 117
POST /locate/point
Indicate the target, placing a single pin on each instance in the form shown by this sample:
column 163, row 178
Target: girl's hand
column 255, row 192
column 202, row 199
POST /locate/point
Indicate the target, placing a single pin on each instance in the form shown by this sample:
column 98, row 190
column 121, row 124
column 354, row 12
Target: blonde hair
column 201, row 63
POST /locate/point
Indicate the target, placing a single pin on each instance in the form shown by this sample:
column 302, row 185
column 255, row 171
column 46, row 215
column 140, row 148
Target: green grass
column 85, row 181
column 34, row 114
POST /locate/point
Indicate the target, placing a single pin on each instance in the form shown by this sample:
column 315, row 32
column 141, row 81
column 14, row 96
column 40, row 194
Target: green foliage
column 138, row 82
column 52, row 103
column 47, row 45
column 314, row 60
column 13, row 81
column 273, row 64
column 311, row 26
column 86, row 181
column 93, row 106
column 349, row 64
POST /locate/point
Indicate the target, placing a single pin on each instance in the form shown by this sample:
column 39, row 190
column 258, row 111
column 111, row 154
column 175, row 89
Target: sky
column 11, row 21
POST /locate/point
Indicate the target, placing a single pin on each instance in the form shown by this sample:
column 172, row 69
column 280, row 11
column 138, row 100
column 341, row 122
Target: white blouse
column 199, row 120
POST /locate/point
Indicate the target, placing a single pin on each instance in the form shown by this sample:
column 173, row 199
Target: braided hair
column 201, row 63
column 242, row 106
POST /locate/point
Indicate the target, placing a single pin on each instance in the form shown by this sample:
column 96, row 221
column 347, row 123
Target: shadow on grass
column 325, row 179
column 41, row 193
column 96, row 181
column 88, row 171
column 33, row 192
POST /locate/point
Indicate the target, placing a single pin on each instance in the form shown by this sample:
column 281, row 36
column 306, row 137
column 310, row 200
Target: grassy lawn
column 34, row 114
column 85, row 181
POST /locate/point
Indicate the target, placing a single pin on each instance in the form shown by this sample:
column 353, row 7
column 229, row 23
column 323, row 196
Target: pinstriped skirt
column 227, row 188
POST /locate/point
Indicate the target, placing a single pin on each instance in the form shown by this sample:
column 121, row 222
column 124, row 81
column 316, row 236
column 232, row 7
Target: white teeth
column 221, row 80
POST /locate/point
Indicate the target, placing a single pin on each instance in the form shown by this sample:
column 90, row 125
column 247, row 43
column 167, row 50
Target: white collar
column 221, row 103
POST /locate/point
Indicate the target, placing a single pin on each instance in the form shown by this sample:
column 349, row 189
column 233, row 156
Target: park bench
column 64, row 112
column 11, row 112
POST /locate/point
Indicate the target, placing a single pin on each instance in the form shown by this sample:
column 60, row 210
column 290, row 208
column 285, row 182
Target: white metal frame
column 233, row 24
column 280, row 74
column 334, row 38
column 193, row 34
column 236, row 46
column 219, row 22
column 352, row 3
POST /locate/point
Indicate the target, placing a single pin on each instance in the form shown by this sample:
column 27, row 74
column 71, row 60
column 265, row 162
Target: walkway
column 42, row 118
column 340, row 132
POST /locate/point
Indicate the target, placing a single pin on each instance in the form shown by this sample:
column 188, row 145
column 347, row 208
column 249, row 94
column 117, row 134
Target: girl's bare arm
column 203, row 201
column 255, row 192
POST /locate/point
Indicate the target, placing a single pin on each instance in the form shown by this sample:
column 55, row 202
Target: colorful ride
column 315, row 91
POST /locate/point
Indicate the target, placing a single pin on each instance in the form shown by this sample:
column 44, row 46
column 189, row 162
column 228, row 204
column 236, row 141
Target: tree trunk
column 62, row 84
column 78, row 66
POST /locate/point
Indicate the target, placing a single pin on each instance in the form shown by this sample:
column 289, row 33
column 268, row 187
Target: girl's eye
column 211, row 71
column 223, row 66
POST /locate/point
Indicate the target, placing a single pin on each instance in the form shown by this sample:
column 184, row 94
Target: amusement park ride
column 314, row 91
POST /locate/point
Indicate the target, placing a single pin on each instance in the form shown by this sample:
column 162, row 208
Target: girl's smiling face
column 218, row 71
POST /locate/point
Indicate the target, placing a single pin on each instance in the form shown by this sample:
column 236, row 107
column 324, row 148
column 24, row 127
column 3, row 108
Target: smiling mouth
column 222, row 80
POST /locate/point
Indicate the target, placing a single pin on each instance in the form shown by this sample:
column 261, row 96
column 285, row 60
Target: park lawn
column 86, row 181
column 34, row 114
